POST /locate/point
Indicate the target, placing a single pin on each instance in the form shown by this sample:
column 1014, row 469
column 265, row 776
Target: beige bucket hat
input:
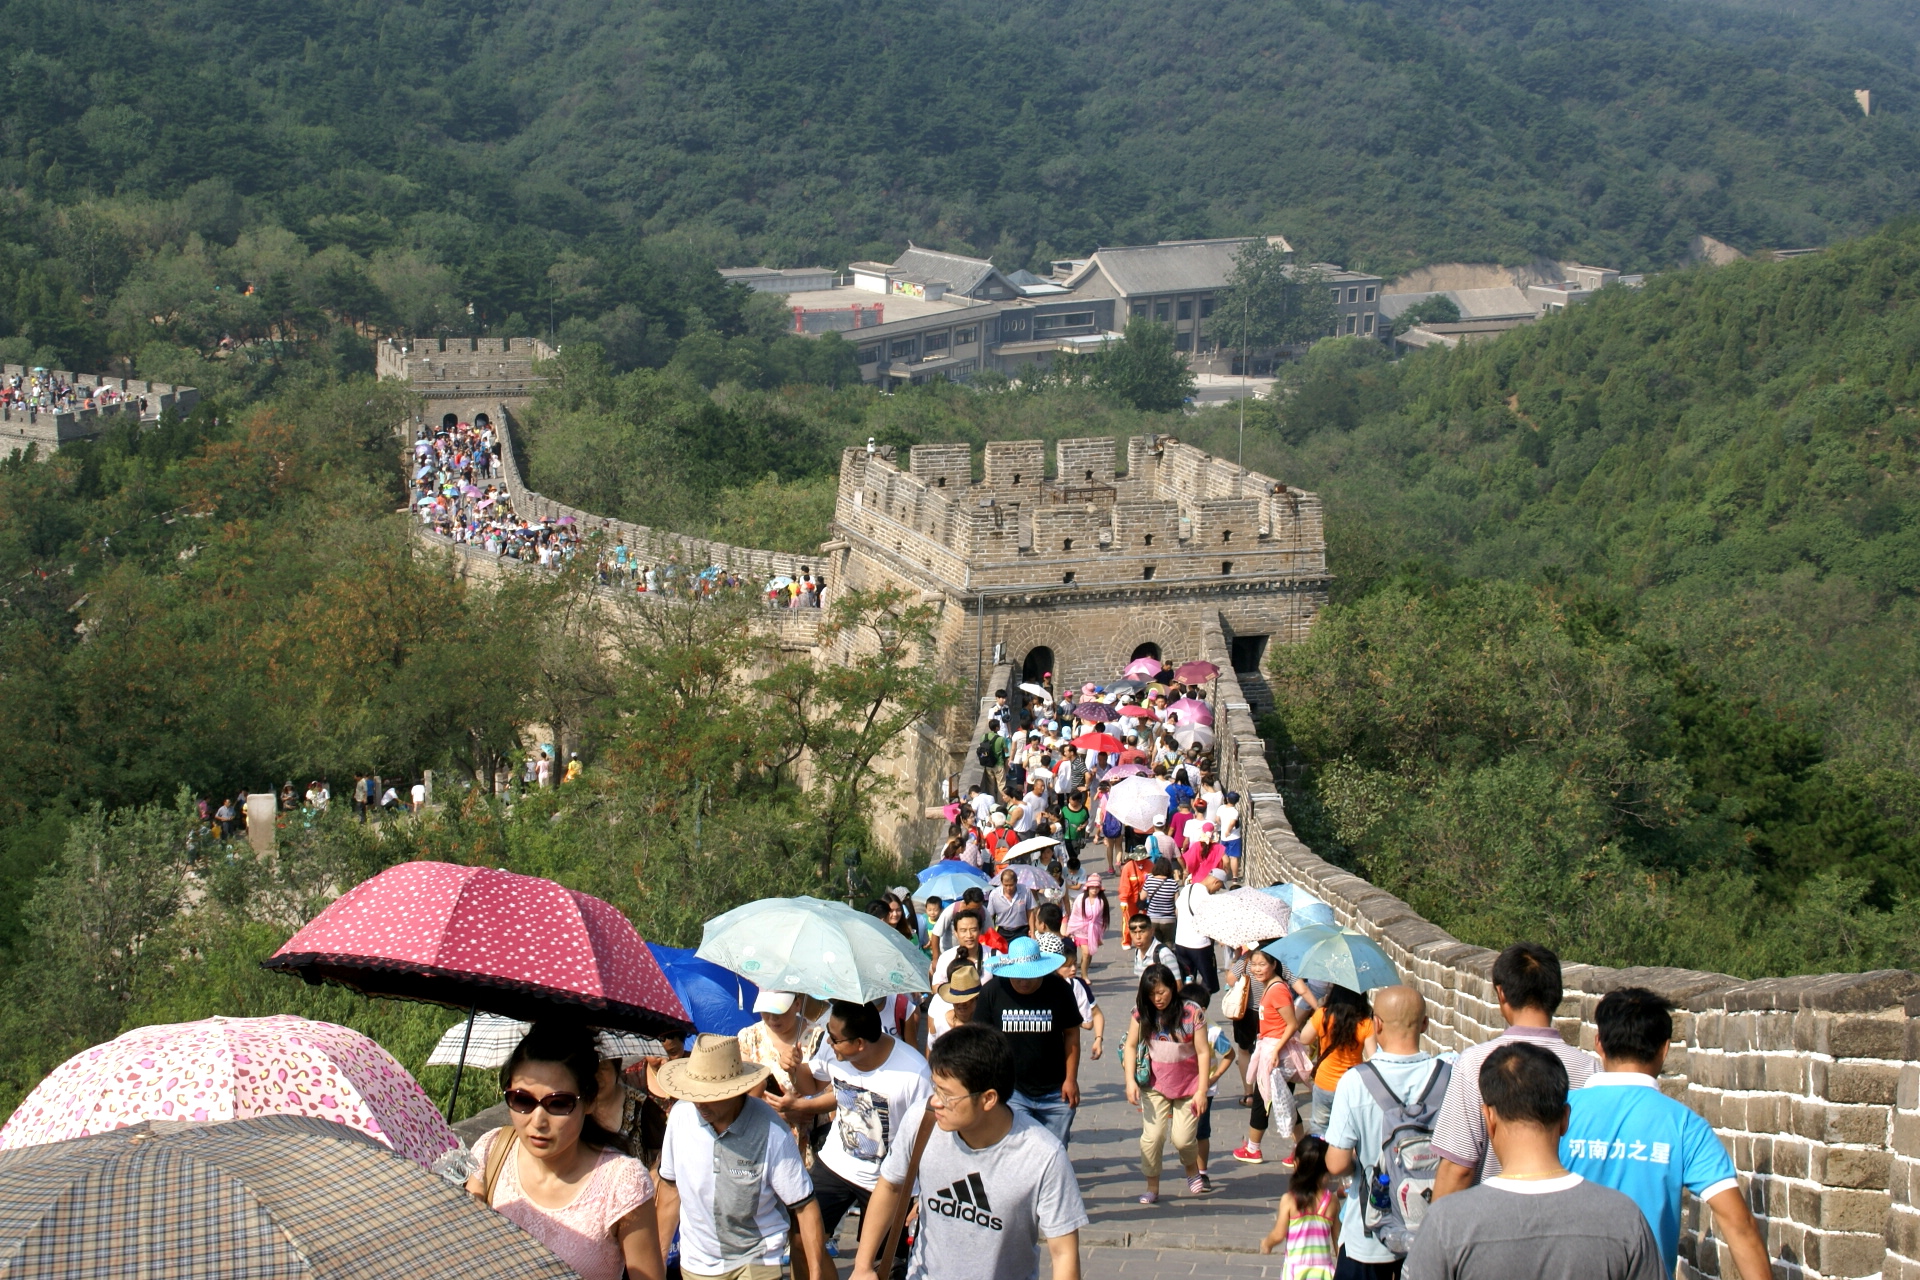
column 713, row 1072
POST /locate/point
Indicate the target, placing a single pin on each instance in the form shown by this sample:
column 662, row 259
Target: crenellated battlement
column 1175, row 515
column 463, row 368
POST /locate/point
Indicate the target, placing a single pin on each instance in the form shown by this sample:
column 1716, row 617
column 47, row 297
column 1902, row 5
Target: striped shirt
column 1157, row 897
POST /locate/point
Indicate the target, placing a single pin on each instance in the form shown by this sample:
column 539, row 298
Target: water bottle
column 1380, row 1191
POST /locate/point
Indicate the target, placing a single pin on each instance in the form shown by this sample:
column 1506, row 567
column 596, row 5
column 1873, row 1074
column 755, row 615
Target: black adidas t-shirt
column 1037, row 1025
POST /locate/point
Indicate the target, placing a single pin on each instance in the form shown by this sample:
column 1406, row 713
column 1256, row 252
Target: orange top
column 1336, row 1064
column 1276, row 1008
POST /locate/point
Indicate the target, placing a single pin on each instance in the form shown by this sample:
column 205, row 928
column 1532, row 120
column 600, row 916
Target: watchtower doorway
column 1147, row 650
column 1037, row 667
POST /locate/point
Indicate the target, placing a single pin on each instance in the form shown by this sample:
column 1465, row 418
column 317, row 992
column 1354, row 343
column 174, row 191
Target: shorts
column 1205, row 1129
column 745, row 1271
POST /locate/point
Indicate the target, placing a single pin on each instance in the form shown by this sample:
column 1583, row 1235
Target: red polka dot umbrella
column 475, row 937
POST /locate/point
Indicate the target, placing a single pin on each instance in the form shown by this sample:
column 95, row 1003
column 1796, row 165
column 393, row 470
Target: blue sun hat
column 1026, row 960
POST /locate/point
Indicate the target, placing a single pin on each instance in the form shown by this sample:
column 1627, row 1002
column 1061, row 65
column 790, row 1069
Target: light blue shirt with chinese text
column 1625, row 1134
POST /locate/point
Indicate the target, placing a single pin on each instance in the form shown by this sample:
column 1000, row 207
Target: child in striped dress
column 1307, row 1227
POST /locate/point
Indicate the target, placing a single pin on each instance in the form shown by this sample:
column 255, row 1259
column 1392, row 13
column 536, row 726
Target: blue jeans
column 1049, row 1109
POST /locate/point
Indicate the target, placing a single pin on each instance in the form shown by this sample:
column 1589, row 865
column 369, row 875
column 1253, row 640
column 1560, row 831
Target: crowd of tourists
column 738, row 1156
column 458, row 491
column 39, row 389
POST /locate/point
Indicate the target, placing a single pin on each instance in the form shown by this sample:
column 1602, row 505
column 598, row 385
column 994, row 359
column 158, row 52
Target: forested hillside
column 1625, row 638
column 200, row 188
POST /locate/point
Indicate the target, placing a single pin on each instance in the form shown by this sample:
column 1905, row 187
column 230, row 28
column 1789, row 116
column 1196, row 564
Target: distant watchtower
column 1079, row 572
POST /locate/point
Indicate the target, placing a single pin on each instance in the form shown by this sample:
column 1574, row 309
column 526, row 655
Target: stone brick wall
column 51, row 428
column 1813, row 1082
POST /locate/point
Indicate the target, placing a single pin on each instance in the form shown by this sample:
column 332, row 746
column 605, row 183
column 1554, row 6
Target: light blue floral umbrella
column 822, row 949
column 1340, row 956
column 955, row 867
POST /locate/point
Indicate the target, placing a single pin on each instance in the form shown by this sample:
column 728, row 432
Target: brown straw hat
column 713, row 1072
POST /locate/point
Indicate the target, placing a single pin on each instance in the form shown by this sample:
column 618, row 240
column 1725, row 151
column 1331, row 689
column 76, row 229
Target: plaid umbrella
column 274, row 1198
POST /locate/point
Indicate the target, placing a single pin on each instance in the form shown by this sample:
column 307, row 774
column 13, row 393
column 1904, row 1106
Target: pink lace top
column 582, row 1233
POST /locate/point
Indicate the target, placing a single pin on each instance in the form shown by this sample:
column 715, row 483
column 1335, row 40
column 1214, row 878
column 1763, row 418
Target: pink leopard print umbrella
column 233, row 1069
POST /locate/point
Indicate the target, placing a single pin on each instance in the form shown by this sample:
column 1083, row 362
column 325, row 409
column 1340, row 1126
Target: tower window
column 1226, row 535
column 1066, row 544
column 1226, row 567
column 1016, row 477
column 1148, row 541
column 1067, row 577
column 1146, row 574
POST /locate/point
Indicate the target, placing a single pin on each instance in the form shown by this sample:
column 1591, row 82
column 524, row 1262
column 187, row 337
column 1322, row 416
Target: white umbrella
column 1037, row 691
column 1138, row 801
column 495, row 1038
column 1032, row 844
column 1034, row 878
column 1189, row 735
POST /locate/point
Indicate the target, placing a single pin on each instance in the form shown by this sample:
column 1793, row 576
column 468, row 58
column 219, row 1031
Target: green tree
column 1271, row 301
column 1439, row 309
column 1142, row 369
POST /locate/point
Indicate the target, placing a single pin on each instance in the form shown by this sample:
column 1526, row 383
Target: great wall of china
column 1812, row 1081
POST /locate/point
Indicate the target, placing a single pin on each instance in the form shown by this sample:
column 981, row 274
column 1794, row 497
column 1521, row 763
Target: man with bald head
column 1399, row 1071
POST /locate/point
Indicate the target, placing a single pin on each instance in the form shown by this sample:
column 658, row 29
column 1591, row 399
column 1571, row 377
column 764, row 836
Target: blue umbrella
column 818, row 948
column 717, row 1001
column 1340, row 956
column 953, row 866
column 948, row 887
column 1307, row 909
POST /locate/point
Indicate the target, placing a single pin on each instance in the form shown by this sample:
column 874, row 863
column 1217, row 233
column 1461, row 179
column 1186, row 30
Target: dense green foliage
column 1646, row 572
column 198, row 189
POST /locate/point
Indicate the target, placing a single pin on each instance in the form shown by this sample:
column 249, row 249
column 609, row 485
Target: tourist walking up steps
column 993, row 1183
column 731, row 1177
column 1526, row 979
column 1037, row 1011
column 1533, row 1218
column 1626, row 1134
column 1166, row 1059
column 868, row 1081
column 1379, row 1106
column 1306, row 1229
column 556, row 1173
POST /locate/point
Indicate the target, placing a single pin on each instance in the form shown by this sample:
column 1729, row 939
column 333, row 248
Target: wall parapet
column 754, row 564
column 1813, row 1082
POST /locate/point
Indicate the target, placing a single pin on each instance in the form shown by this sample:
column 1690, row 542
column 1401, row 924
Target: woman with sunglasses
column 561, row 1178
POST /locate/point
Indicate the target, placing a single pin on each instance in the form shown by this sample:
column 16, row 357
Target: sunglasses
column 523, row 1103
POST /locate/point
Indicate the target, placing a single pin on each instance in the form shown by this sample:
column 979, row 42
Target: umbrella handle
column 460, row 1068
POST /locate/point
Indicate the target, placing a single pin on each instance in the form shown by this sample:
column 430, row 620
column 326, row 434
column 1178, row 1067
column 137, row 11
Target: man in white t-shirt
column 869, row 1082
column 993, row 1184
column 731, row 1175
column 1226, row 829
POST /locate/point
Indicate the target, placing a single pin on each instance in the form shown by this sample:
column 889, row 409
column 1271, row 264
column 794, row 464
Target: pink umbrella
column 234, row 1069
column 1120, row 771
column 476, row 937
column 1196, row 672
column 1143, row 668
column 1192, row 711
column 1137, row 713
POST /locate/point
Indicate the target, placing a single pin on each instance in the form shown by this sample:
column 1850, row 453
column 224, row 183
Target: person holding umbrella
column 869, row 1082
column 553, row 1171
column 731, row 1176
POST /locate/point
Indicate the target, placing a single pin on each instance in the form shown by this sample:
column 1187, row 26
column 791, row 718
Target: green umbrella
column 1340, row 956
column 822, row 949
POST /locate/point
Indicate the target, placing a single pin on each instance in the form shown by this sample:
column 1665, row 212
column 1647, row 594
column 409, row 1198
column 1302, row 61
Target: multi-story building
column 944, row 315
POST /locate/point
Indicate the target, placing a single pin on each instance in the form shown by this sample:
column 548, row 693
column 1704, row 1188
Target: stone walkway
column 1212, row 1235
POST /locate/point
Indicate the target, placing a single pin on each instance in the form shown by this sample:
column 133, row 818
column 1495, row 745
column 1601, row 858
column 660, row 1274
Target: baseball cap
column 774, row 1002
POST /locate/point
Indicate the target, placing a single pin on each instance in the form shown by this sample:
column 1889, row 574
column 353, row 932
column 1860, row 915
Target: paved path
column 1213, row 1235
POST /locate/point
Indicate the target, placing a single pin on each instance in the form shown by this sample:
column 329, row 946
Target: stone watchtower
column 1077, row 573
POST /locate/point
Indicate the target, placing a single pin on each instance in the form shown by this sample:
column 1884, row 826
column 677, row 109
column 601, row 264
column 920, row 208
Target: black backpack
column 984, row 753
